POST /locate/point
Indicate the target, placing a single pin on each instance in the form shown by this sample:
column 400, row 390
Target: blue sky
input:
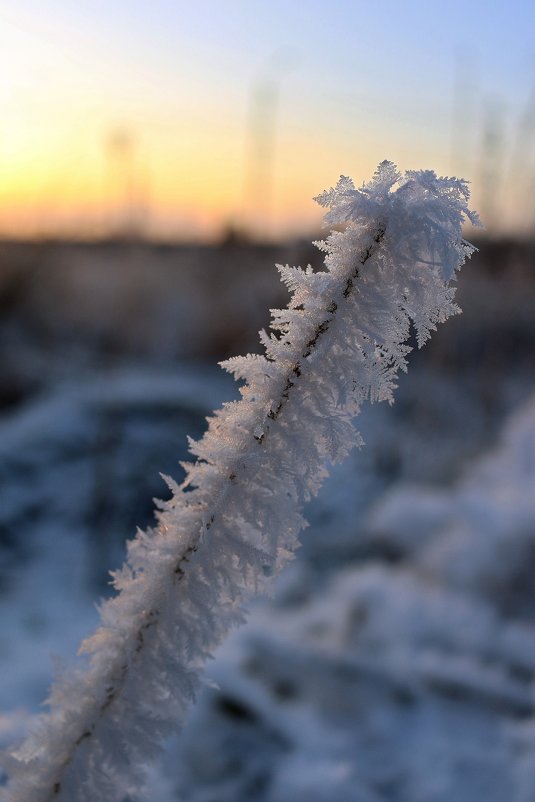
column 444, row 85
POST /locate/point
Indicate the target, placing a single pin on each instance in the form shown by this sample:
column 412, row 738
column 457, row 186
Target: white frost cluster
column 235, row 520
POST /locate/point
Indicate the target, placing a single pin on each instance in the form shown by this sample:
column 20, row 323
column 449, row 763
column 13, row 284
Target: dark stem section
column 322, row 329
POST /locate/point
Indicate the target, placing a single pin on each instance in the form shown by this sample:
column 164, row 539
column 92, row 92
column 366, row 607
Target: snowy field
column 395, row 661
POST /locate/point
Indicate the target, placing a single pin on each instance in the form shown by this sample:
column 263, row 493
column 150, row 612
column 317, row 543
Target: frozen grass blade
column 234, row 522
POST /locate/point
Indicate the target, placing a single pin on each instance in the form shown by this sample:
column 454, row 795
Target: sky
column 184, row 119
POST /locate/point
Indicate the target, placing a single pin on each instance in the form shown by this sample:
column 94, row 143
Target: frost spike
column 186, row 583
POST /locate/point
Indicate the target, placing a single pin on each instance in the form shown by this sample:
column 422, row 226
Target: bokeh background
column 156, row 160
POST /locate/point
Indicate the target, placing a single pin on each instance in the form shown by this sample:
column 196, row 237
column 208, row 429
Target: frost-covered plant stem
column 235, row 520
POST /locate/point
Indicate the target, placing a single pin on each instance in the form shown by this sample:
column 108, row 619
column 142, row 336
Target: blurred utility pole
column 264, row 106
column 463, row 115
column 521, row 175
column 491, row 165
column 127, row 211
column 264, row 103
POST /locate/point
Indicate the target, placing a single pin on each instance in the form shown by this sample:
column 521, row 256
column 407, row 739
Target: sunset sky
column 183, row 118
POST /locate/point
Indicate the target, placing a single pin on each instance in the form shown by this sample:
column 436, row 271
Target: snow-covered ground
column 395, row 661
column 407, row 675
column 396, row 658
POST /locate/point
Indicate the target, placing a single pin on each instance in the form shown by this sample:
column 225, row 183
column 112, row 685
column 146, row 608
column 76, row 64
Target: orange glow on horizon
column 63, row 180
column 80, row 158
column 103, row 128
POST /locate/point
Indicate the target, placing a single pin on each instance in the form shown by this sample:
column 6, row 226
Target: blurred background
column 181, row 121
column 155, row 162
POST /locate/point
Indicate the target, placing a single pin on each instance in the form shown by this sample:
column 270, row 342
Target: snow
column 394, row 661
column 53, row 454
column 388, row 681
column 373, row 680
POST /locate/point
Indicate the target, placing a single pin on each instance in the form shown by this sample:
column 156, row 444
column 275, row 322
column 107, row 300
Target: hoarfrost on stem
column 235, row 520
